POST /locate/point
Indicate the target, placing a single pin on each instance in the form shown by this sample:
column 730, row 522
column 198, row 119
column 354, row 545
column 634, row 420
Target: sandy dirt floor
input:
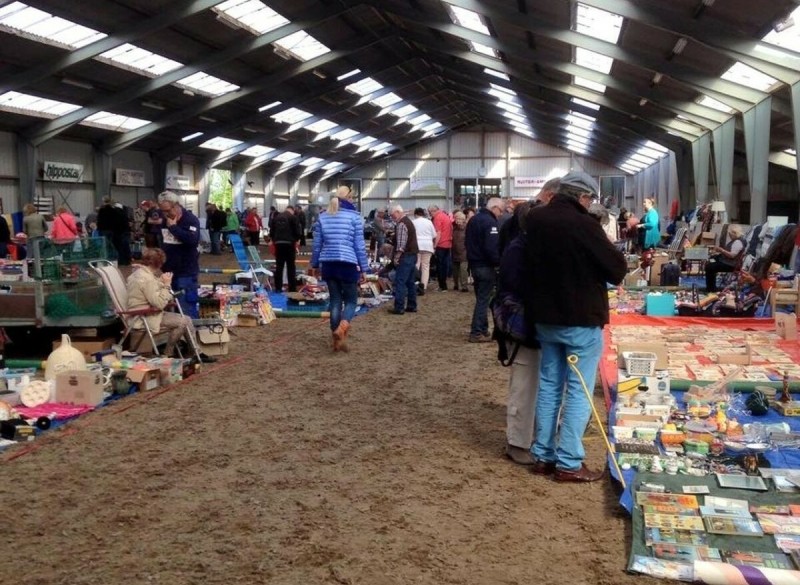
column 288, row 464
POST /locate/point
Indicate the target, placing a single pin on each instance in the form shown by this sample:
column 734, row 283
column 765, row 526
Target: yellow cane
column 572, row 360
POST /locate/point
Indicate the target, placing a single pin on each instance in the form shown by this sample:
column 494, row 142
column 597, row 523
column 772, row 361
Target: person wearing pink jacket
column 65, row 228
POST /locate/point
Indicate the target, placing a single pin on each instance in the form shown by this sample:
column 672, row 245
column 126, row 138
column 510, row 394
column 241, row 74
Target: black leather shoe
column 411, row 310
column 207, row 359
column 395, row 312
column 582, row 475
column 543, row 467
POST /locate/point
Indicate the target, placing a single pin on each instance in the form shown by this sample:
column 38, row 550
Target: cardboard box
column 786, row 325
column 211, row 343
column 88, row 346
column 658, row 387
column 655, row 268
column 79, row 387
column 171, row 369
column 660, row 349
column 147, row 378
column 708, row 239
column 246, row 320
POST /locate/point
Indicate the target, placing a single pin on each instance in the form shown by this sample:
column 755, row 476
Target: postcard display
column 714, row 489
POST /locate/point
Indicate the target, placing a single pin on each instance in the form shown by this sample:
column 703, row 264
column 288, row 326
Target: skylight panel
column 364, row 140
column 321, row 126
column 364, row 86
column 579, row 148
column 43, row 27
column 495, row 73
column 257, row 150
column 206, row 84
column 592, row 60
column 468, row 19
column 483, row 49
column 791, row 151
column 642, row 159
column 578, row 131
column 406, row 110
column 302, row 45
column 114, row 122
column 348, row 74
column 252, row 15
column 31, row 105
column 291, row 116
column 788, row 37
column 381, row 146
column 287, row 156
column 220, row 143
column 583, row 116
column 654, row 154
column 332, row 165
column 310, row 161
column 503, row 89
column 710, row 102
column 629, row 169
column 584, row 103
column 387, row 100
column 579, row 122
column 598, row 23
column 593, row 85
column 417, row 120
column 432, row 126
column 510, row 108
column 656, row 146
column 344, row 134
column 503, row 96
column 749, row 77
column 139, row 60
column 191, row 136
column 513, row 116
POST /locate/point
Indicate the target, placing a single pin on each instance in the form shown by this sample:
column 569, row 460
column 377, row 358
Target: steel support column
column 756, row 137
column 239, row 178
column 701, row 149
column 724, row 138
column 796, row 125
column 159, row 167
column 26, row 155
column 102, row 175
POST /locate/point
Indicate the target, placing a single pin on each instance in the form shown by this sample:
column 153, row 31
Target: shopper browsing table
column 570, row 260
column 180, row 235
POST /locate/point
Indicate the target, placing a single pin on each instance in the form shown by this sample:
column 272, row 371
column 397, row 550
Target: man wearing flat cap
column 570, row 260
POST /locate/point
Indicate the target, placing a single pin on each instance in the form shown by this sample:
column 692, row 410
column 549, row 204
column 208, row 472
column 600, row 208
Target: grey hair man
column 405, row 261
column 482, row 240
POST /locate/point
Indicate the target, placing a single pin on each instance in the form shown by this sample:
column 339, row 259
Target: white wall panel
column 9, row 194
column 495, row 144
column 495, row 168
column 399, row 189
column 8, row 155
column 375, row 190
column 464, row 168
column 281, row 186
column 436, row 149
column 465, row 144
column 431, row 169
column 521, row 146
column 404, row 168
column 539, row 167
column 256, row 177
column 596, row 168
column 79, row 198
column 68, row 151
column 136, row 160
column 131, row 196
column 303, row 189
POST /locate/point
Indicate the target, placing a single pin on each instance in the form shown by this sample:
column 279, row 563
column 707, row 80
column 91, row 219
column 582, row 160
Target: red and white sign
column 530, row 182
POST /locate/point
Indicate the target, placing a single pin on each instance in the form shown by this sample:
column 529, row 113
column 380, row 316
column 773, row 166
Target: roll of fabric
column 725, row 574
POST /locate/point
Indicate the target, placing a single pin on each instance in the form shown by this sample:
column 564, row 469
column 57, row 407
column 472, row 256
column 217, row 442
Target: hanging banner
column 530, row 182
column 424, row 187
column 179, row 182
column 63, row 172
column 130, row 178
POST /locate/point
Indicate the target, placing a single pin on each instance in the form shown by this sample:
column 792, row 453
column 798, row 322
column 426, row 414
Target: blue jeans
column 342, row 292
column 485, row 279
column 188, row 300
column 215, row 237
column 405, row 286
column 442, row 266
column 557, row 384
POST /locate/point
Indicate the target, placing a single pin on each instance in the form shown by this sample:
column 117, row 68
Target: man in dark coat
column 483, row 255
column 570, row 261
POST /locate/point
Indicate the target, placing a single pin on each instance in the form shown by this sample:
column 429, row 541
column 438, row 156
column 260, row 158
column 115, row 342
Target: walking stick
column 572, row 360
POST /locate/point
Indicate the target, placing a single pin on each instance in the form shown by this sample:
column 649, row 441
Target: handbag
column 508, row 314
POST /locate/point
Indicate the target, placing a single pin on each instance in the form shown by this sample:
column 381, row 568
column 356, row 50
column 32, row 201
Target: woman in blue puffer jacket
column 339, row 250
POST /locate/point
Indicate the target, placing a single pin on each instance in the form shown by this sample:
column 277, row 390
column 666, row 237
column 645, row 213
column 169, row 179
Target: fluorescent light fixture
column 319, row 74
column 680, row 45
column 76, row 83
column 348, row 74
column 207, row 119
column 250, row 129
column 585, row 104
column 192, row 136
column 153, row 105
column 643, row 102
column 484, row 49
column 269, row 106
column 791, row 151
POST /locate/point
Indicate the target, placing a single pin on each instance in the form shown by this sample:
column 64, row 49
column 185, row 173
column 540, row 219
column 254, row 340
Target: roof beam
column 47, row 130
column 126, row 32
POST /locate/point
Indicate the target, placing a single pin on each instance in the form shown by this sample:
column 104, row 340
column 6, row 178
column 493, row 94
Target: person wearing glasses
column 482, row 240
column 570, row 260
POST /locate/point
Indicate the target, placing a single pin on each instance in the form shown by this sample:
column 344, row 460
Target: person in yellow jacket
column 147, row 289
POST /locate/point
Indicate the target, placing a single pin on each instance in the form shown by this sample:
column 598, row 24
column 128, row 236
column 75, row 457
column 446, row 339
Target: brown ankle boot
column 341, row 334
column 337, row 343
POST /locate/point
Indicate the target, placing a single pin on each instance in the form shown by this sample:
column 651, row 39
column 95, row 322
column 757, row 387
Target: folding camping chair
column 677, row 244
column 118, row 293
column 250, row 268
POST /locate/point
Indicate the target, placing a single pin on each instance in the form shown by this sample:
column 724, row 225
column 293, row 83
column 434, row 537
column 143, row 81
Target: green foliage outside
column 220, row 190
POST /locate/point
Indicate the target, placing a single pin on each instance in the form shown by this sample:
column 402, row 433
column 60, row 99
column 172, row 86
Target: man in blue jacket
column 482, row 240
column 181, row 233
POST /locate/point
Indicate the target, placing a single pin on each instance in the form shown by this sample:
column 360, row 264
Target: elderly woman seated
column 725, row 259
column 148, row 288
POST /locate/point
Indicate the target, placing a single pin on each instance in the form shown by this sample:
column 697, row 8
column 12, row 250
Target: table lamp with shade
column 718, row 207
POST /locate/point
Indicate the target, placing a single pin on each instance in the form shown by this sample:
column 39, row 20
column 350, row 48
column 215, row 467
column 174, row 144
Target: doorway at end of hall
column 475, row 192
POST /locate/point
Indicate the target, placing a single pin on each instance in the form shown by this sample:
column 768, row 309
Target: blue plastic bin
column 662, row 305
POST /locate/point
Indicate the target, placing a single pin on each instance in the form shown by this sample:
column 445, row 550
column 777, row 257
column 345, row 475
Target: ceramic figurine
column 656, row 466
column 671, row 466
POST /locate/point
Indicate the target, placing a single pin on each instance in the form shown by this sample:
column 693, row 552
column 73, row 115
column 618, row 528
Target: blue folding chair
column 250, row 268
